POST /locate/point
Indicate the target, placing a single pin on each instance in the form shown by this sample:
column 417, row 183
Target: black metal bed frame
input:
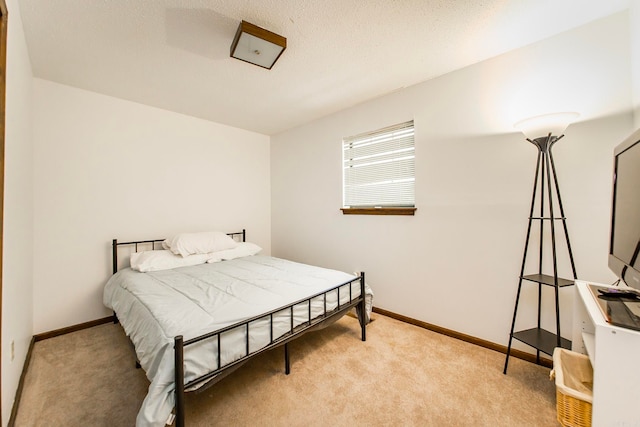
column 318, row 322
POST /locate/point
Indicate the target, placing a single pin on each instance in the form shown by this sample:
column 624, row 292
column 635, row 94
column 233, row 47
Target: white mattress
column 155, row 307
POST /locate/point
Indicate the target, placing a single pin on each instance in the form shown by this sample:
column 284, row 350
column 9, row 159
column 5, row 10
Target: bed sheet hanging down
column 155, row 307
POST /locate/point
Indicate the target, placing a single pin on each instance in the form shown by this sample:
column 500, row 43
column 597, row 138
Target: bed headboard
column 156, row 244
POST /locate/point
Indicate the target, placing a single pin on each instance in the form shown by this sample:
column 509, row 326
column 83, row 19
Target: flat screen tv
column 624, row 247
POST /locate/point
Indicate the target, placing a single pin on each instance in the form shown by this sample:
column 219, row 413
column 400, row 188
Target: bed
column 201, row 316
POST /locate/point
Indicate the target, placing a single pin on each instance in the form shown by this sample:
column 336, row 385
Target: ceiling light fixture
column 257, row 46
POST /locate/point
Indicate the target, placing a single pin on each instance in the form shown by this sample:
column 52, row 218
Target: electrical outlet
column 13, row 350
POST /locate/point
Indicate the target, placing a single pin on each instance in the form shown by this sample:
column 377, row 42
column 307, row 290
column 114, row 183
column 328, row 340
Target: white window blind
column 379, row 168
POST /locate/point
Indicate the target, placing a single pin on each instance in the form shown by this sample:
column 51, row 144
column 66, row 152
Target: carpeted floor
column 402, row 375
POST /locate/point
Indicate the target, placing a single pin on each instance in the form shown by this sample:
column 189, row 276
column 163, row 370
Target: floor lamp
column 542, row 132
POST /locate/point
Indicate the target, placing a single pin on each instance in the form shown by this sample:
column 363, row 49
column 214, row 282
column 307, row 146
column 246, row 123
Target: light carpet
column 402, row 375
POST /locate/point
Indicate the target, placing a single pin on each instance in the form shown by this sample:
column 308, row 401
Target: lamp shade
column 541, row 126
column 257, row 46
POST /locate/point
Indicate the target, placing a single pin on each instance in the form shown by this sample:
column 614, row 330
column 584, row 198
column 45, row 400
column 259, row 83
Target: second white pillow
column 186, row 244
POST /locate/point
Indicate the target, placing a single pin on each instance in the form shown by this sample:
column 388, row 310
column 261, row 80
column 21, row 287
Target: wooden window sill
column 378, row 211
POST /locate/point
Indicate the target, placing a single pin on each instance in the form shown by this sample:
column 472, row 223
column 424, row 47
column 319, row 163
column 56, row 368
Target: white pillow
column 241, row 250
column 186, row 244
column 163, row 260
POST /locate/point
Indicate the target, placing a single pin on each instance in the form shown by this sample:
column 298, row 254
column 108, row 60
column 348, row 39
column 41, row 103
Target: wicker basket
column 574, row 387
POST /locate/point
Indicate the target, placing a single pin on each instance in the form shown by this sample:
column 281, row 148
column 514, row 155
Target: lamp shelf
column 548, row 280
column 541, row 339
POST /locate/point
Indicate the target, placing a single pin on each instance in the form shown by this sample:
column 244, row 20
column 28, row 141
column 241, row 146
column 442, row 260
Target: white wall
column 107, row 168
column 456, row 263
column 17, row 281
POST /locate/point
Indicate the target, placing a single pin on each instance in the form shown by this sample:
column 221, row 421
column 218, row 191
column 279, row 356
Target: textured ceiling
column 174, row 54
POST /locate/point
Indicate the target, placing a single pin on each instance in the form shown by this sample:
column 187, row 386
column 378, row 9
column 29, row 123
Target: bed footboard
column 328, row 316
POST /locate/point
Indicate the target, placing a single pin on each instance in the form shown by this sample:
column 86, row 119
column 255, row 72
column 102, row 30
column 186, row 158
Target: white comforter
column 155, row 307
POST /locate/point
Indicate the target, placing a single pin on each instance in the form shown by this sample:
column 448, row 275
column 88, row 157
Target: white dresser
column 615, row 356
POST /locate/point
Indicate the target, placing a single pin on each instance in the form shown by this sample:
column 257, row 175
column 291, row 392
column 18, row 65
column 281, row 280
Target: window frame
column 399, row 209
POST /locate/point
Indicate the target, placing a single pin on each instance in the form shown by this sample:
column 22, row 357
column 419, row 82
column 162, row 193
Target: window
column 379, row 171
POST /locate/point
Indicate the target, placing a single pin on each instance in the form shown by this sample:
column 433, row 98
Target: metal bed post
column 114, row 259
column 179, row 368
column 287, row 366
column 363, row 308
column 114, row 256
